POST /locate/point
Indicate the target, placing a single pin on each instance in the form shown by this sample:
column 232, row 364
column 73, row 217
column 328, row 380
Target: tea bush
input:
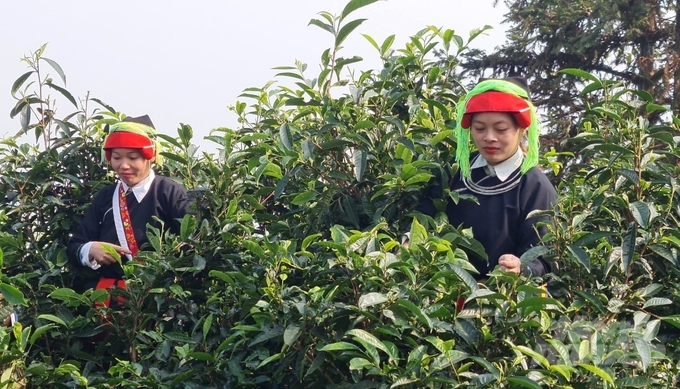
column 291, row 272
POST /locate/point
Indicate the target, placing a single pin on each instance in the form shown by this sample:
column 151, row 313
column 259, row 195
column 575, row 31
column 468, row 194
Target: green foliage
column 291, row 273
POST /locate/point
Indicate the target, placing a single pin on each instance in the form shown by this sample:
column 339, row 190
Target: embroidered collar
column 504, row 169
column 142, row 188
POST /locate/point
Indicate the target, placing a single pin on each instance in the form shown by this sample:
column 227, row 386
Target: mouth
column 491, row 150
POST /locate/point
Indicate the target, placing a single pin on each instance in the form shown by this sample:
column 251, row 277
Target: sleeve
column 434, row 191
column 177, row 204
column 431, row 200
column 426, row 205
column 89, row 229
column 84, row 256
column 539, row 195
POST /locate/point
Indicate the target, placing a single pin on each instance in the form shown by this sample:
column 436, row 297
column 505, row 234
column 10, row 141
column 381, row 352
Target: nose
column 489, row 135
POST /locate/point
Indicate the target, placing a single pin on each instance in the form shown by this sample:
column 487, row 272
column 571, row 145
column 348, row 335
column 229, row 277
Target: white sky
column 185, row 61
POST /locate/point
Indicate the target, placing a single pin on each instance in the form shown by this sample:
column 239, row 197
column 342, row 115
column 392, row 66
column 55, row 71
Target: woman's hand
column 103, row 258
column 510, row 263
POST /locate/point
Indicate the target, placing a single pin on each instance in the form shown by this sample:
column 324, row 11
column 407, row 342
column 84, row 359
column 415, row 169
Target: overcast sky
column 185, row 61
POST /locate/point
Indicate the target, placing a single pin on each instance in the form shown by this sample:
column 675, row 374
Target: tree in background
column 631, row 41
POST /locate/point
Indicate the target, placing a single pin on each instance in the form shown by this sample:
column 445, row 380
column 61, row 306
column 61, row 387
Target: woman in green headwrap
column 120, row 212
column 499, row 121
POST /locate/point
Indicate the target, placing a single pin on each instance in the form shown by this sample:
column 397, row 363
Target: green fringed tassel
column 533, row 132
column 463, row 141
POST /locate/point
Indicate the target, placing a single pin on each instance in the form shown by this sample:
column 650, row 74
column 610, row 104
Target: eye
column 501, row 129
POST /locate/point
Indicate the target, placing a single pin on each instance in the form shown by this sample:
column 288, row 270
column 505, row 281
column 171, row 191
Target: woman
column 502, row 176
column 120, row 212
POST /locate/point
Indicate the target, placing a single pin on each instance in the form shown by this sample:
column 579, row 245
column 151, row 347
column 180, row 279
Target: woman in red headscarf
column 119, row 215
column 501, row 174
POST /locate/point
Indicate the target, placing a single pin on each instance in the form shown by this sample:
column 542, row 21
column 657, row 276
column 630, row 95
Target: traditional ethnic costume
column 507, row 192
column 120, row 214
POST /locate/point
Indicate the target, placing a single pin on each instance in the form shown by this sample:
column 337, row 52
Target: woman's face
column 130, row 165
column 496, row 136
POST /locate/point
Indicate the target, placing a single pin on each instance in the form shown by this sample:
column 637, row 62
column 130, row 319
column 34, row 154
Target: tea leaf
column 115, row 254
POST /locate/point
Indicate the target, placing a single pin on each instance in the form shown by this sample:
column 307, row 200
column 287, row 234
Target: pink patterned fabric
column 127, row 225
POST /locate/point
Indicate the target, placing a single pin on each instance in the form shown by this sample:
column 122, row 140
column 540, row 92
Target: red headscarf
column 132, row 133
